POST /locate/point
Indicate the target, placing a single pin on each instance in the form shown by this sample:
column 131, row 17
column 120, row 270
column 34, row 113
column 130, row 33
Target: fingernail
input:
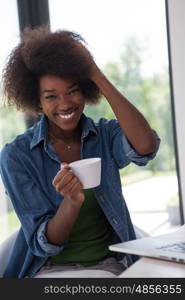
column 64, row 165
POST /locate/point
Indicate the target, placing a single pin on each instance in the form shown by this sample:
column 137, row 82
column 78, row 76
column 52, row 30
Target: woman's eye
column 50, row 97
column 72, row 92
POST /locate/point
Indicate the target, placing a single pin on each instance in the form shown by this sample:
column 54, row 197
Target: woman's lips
column 66, row 115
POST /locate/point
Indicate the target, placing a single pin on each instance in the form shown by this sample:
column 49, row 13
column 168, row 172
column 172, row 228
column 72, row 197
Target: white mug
column 88, row 171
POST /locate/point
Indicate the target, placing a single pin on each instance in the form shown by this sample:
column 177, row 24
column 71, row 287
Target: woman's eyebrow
column 47, row 91
column 74, row 84
column 53, row 90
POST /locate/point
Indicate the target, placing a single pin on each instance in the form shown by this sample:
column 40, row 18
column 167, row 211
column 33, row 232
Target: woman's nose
column 61, row 97
column 63, row 102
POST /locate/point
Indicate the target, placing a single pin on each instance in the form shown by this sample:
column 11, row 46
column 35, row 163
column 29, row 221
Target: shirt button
column 115, row 221
column 102, row 199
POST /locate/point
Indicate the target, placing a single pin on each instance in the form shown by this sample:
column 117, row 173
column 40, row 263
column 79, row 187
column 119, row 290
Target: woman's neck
column 67, row 136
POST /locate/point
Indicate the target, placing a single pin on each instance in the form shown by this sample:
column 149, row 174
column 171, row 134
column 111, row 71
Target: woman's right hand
column 68, row 185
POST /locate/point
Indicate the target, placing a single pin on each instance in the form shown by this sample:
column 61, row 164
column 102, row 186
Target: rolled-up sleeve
column 31, row 204
column 47, row 247
column 124, row 153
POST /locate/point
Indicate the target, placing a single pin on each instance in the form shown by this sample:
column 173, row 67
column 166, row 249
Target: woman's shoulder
column 103, row 122
column 106, row 125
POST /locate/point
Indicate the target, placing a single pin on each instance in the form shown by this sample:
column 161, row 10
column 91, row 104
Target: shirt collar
column 87, row 125
column 41, row 129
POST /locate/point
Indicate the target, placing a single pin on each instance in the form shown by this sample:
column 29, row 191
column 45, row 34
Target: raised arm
column 134, row 125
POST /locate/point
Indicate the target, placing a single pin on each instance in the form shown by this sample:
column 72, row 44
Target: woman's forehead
column 53, row 83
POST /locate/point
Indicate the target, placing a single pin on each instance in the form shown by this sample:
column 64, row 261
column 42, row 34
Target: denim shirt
column 28, row 165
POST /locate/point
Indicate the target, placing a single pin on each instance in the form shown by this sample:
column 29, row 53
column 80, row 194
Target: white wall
column 176, row 18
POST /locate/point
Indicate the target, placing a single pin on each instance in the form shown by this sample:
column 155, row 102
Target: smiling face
column 62, row 102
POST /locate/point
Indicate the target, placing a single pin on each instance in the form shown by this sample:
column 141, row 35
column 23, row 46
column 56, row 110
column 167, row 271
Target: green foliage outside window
column 151, row 95
column 11, row 124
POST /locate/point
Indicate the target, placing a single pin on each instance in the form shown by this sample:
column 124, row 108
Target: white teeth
column 66, row 116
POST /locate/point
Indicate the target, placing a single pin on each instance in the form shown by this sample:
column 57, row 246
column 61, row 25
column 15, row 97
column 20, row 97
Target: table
column 149, row 267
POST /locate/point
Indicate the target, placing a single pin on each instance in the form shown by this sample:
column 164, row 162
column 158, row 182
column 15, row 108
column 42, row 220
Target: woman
column 64, row 227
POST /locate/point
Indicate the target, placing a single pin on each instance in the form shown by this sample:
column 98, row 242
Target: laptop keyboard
column 179, row 248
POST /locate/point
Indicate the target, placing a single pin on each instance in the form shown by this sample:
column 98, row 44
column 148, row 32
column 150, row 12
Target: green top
column 91, row 235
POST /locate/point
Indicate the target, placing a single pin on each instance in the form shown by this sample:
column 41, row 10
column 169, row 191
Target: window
column 129, row 42
column 11, row 122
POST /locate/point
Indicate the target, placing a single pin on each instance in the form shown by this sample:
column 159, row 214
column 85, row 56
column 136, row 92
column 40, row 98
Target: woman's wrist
column 76, row 200
column 96, row 74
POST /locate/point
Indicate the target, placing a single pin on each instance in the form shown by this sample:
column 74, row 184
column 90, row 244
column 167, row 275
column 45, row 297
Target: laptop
column 170, row 246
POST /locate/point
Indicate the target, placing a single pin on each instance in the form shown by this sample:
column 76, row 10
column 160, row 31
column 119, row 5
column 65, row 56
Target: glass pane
column 11, row 122
column 129, row 42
